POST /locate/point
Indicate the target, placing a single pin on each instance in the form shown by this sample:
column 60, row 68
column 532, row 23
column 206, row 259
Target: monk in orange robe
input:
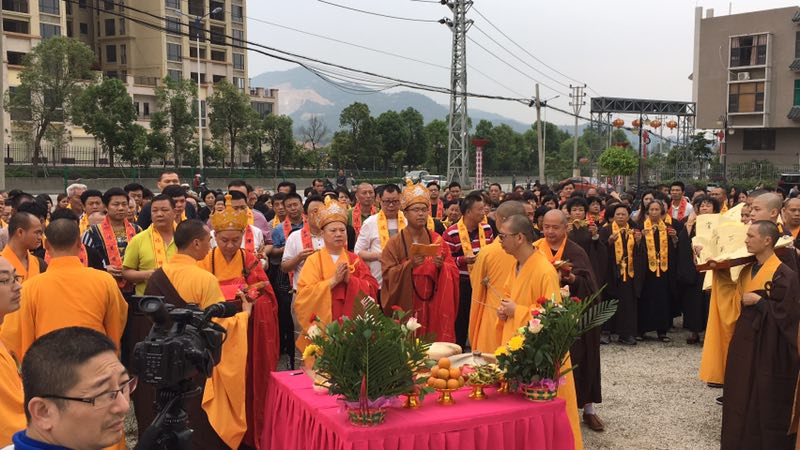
column 332, row 278
column 24, row 235
column 240, row 273
column 534, row 277
column 12, row 412
column 426, row 285
column 488, row 278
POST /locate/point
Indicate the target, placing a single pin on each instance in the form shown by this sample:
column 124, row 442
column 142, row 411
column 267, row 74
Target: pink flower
column 541, row 300
column 535, row 312
column 575, row 299
column 535, row 326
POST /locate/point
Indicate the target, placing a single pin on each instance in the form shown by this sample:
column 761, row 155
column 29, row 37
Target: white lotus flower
column 412, row 324
column 535, row 326
column 314, row 331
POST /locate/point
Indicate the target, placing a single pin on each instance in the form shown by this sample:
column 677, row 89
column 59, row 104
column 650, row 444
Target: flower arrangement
column 534, row 357
column 370, row 359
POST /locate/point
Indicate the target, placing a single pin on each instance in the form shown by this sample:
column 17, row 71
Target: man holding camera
column 77, row 392
column 217, row 416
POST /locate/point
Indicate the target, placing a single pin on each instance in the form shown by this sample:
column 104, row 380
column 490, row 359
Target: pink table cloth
column 300, row 418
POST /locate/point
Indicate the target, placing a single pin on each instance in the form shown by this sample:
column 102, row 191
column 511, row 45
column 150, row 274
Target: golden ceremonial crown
column 333, row 211
column 229, row 218
column 414, row 193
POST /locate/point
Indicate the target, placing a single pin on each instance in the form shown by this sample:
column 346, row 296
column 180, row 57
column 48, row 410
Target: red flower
column 541, row 300
column 535, row 312
column 575, row 299
column 313, row 318
column 396, row 308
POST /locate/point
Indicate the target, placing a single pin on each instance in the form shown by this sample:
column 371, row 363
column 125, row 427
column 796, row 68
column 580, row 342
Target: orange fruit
column 452, row 384
column 431, row 381
column 443, row 374
column 439, row 383
column 455, row 372
column 444, row 363
column 460, row 381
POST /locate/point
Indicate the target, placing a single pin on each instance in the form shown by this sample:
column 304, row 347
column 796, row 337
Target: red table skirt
column 300, row 418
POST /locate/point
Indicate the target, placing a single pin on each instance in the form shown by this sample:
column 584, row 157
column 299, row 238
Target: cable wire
column 388, row 16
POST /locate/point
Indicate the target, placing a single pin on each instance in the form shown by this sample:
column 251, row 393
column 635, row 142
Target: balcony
column 145, row 81
column 20, row 6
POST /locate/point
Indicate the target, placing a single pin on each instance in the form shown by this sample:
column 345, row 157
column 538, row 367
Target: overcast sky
column 620, row 48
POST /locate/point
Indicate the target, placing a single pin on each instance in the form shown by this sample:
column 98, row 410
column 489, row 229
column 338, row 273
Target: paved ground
column 653, row 400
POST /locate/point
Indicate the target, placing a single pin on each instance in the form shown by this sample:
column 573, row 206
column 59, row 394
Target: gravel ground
column 653, row 400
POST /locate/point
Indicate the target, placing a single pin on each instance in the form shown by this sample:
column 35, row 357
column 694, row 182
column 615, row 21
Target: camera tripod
column 169, row 430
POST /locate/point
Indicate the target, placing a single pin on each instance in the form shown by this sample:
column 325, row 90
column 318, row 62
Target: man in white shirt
column 304, row 242
column 380, row 227
column 680, row 208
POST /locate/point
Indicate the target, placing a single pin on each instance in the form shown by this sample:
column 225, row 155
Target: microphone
column 221, row 310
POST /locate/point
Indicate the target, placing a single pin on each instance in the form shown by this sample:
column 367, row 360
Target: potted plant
column 533, row 359
column 368, row 360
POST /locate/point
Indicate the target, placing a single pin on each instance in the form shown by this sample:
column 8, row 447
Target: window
column 109, row 4
column 239, row 83
column 238, row 61
column 174, row 4
column 16, row 5
column 218, row 35
column 136, row 107
column 202, row 77
column 84, row 28
column 173, row 25
column 759, row 140
column 174, row 74
column 121, row 27
column 16, row 26
column 69, row 8
column 237, row 13
column 174, row 52
column 146, row 112
column 749, row 50
column 49, row 6
column 797, row 45
column 15, row 58
column 218, row 79
column 112, row 74
column 263, row 109
column 193, row 52
column 111, row 53
column 746, row 97
column 123, row 54
column 111, row 27
column 220, row 15
column 796, row 92
column 203, row 113
column 47, row 30
column 82, row 4
column 194, row 31
column 197, row 8
column 238, row 37
column 218, row 55
column 18, row 113
column 69, row 27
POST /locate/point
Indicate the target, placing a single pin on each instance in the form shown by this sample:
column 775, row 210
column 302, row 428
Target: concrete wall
column 787, row 148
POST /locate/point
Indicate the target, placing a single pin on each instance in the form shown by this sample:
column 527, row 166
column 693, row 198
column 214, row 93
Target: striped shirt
column 454, row 243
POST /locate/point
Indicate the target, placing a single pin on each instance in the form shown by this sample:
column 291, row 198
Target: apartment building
column 140, row 55
column 746, row 79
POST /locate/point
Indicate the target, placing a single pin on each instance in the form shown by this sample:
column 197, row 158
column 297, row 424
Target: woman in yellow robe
column 12, row 413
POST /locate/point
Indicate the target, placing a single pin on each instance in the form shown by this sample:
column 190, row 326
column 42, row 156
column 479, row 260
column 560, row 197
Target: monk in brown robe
column 762, row 364
column 425, row 285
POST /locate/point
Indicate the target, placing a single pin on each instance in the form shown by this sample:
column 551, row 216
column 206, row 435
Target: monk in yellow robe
column 533, row 277
column 68, row 294
column 24, row 235
column 488, row 278
column 332, row 277
column 219, row 417
column 12, row 412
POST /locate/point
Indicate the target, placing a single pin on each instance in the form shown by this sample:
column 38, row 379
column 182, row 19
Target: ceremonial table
column 301, row 418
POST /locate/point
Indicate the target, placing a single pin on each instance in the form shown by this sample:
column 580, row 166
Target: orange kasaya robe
column 723, row 312
column 315, row 296
column 66, row 295
column 244, row 270
column 538, row 278
column 496, row 265
column 12, row 414
column 430, row 292
column 33, row 264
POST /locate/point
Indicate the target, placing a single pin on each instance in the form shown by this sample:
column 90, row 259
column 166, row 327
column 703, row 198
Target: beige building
column 139, row 55
column 747, row 77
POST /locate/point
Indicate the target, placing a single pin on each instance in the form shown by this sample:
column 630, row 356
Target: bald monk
column 488, row 278
column 365, row 206
column 218, row 416
column 12, row 412
column 791, row 218
column 24, row 235
column 762, row 365
column 533, row 277
column 68, row 294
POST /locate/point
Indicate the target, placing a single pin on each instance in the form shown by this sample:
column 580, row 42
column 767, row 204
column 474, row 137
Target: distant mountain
column 302, row 94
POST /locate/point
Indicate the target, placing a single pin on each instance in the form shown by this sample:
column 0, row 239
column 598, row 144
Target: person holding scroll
column 419, row 274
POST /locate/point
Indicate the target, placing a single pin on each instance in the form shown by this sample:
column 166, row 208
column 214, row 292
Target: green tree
column 619, row 161
column 313, row 133
column 176, row 117
column 106, row 111
column 230, row 115
column 341, row 149
column 279, row 137
column 394, row 137
column 436, row 139
column 364, row 137
column 133, row 146
column 417, row 139
column 54, row 74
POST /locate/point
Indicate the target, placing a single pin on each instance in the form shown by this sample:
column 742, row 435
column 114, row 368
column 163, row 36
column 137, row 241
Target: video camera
column 183, row 345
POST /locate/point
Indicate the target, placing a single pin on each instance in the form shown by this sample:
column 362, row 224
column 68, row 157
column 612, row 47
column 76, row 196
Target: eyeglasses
column 11, row 280
column 102, row 400
column 390, row 202
column 502, row 236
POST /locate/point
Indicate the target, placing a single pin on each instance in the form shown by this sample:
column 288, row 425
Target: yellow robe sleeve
column 723, row 312
column 479, row 310
column 116, row 314
column 12, row 414
column 19, row 328
column 313, row 296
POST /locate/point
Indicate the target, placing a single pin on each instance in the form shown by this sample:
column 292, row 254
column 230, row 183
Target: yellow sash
column 545, row 250
column 383, row 226
column 159, row 247
column 250, row 218
column 466, row 242
column 764, row 275
column 656, row 259
column 84, row 224
column 625, row 263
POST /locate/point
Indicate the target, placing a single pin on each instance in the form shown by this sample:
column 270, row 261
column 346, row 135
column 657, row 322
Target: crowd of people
column 468, row 265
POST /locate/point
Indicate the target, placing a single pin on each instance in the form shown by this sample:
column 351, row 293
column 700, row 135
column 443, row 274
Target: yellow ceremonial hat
column 414, row 193
column 229, row 218
column 333, row 211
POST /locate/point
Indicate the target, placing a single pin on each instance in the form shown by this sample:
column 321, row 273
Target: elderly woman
column 332, row 277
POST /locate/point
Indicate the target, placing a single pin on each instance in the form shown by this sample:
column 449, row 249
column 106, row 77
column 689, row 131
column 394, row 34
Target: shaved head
column 766, row 206
column 771, row 200
column 556, row 215
column 518, row 223
column 508, row 209
column 63, row 234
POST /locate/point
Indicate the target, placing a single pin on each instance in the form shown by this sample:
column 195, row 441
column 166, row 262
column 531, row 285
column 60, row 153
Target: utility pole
column 457, row 142
column 576, row 103
column 4, row 76
column 539, row 135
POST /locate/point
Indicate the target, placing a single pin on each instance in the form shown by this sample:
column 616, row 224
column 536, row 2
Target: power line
column 388, row 16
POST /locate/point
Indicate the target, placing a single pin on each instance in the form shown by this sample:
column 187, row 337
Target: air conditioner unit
column 743, row 76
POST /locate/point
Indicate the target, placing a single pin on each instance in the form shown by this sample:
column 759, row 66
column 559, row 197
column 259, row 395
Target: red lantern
column 618, row 123
column 636, row 123
column 655, row 123
column 672, row 124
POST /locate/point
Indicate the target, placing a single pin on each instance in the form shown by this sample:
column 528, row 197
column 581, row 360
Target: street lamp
column 198, row 28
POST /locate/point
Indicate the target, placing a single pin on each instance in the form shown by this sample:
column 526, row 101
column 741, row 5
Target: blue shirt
column 278, row 239
column 23, row 442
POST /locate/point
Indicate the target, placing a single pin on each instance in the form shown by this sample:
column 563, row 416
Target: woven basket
column 538, row 394
column 366, row 417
